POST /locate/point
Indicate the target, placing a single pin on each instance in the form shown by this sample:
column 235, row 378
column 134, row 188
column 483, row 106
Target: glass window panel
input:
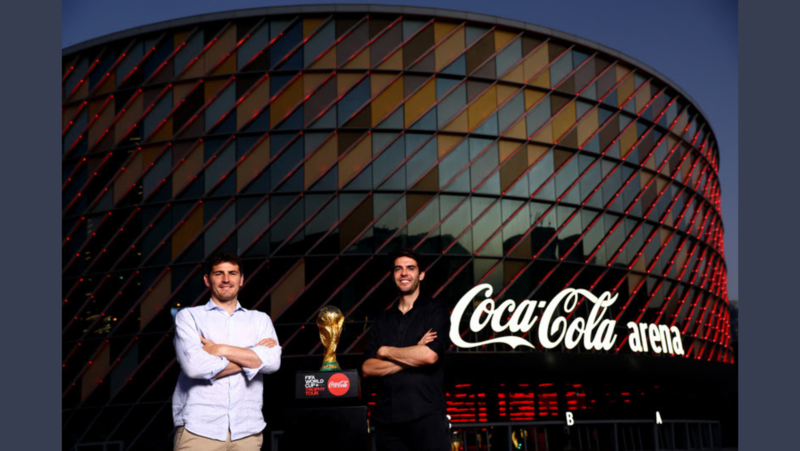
column 592, row 238
column 560, row 68
column 384, row 45
column 484, row 228
column 353, row 100
column 157, row 57
column 380, row 140
column 480, row 52
column 672, row 112
column 410, row 27
column 418, row 45
column 158, row 114
column 631, row 190
column 589, row 181
column 350, row 46
column 538, row 116
column 251, row 46
column 388, row 161
column 484, row 165
column 612, row 184
column 383, row 202
column 491, row 185
column 616, row 238
column 578, row 57
column 448, row 203
column 638, row 80
column 452, row 104
column 293, row 62
column 511, row 111
column 590, row 92
column 421, row 162
column 76, row 129
column 428, row 122
column 420, row 102
column 292, row 219
column 387, row 100
column 158, row 173
column 508, row 57
column 293, row 122
column 474, row 32
column 444, row 85
column 324, row 96
column 221, row 105
column 566, row 175
column 517, row 226
column 221, row 165
column 392, row 220
column 456, row 223
column 185, row 55
column 291, row 96
column 396, row 181
column 457, row 159
column 221, row 227
column 449, row 48
column 543, row 232
column 285, row 163
column 457, row 67
column 425, row 220
column 477, row 145
column 519, row 188
column 285, row 43
column 319, row 43
column 395, row 120
column 82, row 66
column 569, row 233
column 488, row 127
column 540, row 172
column 277, row 82
column 324, row 220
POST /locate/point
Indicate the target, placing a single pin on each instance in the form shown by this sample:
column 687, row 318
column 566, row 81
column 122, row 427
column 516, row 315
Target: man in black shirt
column 405, row 349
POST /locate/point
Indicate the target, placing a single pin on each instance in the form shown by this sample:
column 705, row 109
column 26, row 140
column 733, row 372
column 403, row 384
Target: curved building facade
column 312, row 141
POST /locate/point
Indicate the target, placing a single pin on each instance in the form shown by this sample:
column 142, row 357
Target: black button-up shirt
column 413, row 392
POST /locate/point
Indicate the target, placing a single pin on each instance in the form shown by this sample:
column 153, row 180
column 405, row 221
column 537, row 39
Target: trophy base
column 331, row 366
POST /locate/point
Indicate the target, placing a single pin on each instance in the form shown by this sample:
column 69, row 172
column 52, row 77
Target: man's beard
column 411, row 287
column 225, row 298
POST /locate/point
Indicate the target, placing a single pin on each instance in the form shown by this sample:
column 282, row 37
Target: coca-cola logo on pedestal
column 338, row 384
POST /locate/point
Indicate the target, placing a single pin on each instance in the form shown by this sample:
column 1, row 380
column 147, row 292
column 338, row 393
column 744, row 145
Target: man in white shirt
column 223, row 350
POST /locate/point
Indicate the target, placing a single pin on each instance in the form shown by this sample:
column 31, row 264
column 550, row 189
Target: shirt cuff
column 223, row 363
column 263, row 353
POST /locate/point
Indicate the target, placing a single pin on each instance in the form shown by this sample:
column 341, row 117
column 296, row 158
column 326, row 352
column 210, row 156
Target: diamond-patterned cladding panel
column 313, row 145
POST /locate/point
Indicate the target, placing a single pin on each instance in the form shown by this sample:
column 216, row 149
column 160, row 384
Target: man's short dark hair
column 222, row 257
column 405, row 252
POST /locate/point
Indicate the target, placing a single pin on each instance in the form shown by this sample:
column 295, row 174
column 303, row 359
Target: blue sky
column 693, row 43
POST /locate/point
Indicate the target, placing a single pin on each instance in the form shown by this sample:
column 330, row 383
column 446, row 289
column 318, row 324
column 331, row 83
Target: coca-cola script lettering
column 338, row 384
column 592, row 332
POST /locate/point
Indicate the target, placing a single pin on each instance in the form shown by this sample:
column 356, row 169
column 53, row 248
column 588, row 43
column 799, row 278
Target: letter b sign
column 570, row 419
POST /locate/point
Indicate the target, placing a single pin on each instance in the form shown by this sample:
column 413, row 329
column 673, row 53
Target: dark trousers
column 428, row 433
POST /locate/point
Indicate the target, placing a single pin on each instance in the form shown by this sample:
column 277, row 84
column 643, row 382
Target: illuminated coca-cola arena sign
column 553, row 328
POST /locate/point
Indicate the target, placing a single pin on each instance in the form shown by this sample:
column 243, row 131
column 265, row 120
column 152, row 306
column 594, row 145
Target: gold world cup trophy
column 330, row 322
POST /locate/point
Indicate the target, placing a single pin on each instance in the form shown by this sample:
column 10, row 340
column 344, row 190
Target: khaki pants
column 186, row 441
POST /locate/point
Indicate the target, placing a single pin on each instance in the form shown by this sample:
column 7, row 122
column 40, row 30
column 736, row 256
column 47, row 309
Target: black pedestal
column 330, row 414
column 326, row 428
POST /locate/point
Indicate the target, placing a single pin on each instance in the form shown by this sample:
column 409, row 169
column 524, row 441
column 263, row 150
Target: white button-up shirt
column 210, row 407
